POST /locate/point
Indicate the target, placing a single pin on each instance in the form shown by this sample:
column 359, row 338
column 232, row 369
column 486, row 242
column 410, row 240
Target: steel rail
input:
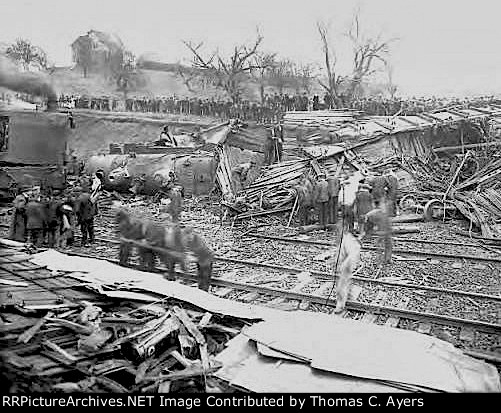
column 350, row 305
column 371, row 248
column 329, row 276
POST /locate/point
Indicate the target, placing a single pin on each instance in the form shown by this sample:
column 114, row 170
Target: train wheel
column 430, row 208
column 407, row 202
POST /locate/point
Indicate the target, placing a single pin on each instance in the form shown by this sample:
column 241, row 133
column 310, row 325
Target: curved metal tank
column 195, row 172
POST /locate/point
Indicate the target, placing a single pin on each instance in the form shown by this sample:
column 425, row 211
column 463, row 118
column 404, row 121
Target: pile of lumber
column 151, row 348
column 276, row 181
column 320, row 117
column 477, row 198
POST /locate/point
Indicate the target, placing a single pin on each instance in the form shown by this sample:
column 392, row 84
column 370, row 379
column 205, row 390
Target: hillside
column 71, row 81
column 163, row 82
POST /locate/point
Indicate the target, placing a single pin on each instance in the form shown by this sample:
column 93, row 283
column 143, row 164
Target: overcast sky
column 444, row 47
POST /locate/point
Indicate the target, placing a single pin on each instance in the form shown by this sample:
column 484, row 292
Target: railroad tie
column 353, row 295
column 325, row 287
column 370, row 317
column 467, row 334
column 393, row 321
column 424, row 328
column 223, row 292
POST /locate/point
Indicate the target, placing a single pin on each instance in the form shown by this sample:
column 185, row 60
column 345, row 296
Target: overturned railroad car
column 195, row 172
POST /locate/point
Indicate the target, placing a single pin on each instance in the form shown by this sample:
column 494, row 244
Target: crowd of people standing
column 270, row 109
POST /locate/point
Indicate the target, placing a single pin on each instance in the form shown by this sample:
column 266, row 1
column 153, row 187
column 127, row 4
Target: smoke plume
column 24, row 82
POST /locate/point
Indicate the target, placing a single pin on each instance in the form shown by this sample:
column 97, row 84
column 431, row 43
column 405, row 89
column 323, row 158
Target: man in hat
column 364, row 203
column 322, row 199
column 17, row 231
column 334, row 187
column 176, row 204
column 35, row 220
column 379, row 219
column 391, row 191
column 166, row 138
column 378, row 184
column 54, row 220
column 67, row 229
column 347, row 261
column 269, row 148
column 278, row 138
column 85, row 210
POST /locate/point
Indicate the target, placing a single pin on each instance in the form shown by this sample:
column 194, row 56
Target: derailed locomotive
column 32, row 151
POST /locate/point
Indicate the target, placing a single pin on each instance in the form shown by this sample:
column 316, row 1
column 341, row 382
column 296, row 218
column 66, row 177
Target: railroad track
column 401, row 251
column 375, row 312
column 329, row 276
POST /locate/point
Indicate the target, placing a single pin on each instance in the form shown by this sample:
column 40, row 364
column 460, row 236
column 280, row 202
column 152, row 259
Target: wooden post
column 293, row 211
column 455, row 175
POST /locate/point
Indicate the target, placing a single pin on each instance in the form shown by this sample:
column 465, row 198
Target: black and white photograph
column 249, row 203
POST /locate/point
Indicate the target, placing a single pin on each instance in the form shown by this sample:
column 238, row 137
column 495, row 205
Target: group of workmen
column 322, row 196
column 41, row 217
column 374, row 205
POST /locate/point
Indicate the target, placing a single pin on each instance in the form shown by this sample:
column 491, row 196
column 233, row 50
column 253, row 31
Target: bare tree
column 186, row 76
column 265, row 63
column 367, row 51
column 334, row 80
column 27, row 54
column 391, row 87
column 231, row 72
column 303, row 76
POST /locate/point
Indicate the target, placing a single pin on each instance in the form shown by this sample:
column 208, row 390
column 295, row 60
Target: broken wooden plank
column 181, row 359
column 195, row 332
column 13, row 283
column 28, row 334
column 261, row 213
column 58, row 350
column 205, row 320
column 248, row 297
column 111, row 385
column 193, row 371
column 75, row 327
column 13, row 327
column 186, row 342
column 315, row 227
column 191, row 327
